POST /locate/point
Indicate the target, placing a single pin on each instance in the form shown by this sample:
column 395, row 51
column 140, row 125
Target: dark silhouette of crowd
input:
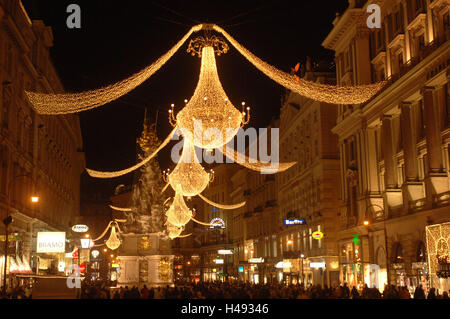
column 241, row 290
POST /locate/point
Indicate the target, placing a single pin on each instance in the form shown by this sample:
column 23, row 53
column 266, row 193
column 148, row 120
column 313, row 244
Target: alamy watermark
column 374, row 19
column 74, row 19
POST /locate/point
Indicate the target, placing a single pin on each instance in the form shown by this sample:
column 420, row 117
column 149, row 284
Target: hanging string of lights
column 78, row 102
column 222, row 206
column 121, row 209
column 178, row 213
column 316, row 91
column 99, row 174
column 254, row 164
column 203, row 223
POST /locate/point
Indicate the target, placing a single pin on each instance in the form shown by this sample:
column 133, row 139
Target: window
column 310, row 239
column 399, row 254
column 275, row 248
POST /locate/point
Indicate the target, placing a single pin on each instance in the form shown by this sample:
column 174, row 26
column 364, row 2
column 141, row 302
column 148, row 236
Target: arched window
column 399, row 254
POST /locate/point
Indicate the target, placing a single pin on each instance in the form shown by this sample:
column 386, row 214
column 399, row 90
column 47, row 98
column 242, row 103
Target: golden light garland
column 222, row 206
column 209, row 110
column 121, row 209
column 77, row 102
column 203, row 223
column 99, row 174
column 315, row 91
column 253, row 164
column 188, row 173
column 178, row 213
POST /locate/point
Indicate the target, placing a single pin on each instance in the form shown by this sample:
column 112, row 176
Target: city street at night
column 223, row 159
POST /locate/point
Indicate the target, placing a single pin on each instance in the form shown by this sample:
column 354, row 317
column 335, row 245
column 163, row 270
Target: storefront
column 438, row 252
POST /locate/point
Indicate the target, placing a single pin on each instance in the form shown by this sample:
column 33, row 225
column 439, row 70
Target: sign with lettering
column 51, row 242
column 80, row 228
column 294, row 221
column 217, row 223
column 317, row 235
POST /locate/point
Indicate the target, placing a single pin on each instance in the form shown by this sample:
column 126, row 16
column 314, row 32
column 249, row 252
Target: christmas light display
column 113, row 241
column 315, row 91
column 77, row 102
column 178, row 213
column 121, row 209
column 99, row 174
column 188, row 173
column 209, row 119
column 222, row 206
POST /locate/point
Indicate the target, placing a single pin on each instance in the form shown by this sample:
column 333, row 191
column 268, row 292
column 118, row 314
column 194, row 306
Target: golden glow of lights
column 438, row 245
column 178, row 213
column 316, row 91
column 254, row 164
column 113, row 241
column 77, row 102
column 34, row 199
column 173, row 231
column 209, row 119
column 121, row 209
column 366, row 222
column 99, row 174
column 222, row 206
column 188, row 173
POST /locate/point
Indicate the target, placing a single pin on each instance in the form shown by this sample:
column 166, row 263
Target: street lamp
column 366, row 222
column 8, row 220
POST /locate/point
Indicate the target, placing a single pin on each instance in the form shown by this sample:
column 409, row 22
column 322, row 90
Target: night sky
column 118, row 38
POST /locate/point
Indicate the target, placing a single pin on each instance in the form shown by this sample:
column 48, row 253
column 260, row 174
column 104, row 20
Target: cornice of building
column 341, row 29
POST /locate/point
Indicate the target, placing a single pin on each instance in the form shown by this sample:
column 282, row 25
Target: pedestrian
column 419, row 293
column 355, row 293
column 432, row 294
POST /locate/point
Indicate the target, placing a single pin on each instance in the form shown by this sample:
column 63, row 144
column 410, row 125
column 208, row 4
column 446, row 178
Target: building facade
column 39, row 155
column 309, row 190
column 394, row 148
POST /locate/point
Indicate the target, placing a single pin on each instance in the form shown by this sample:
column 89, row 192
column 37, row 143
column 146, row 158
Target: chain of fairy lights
column 77, row 102
column 316, row 91
column 99, row 174
column 222, row 206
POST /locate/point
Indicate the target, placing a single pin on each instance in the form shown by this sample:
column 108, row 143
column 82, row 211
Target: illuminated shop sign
column 356, row 239
column 219, row 261
column 283, row 264
column 225, row 252
column 217, row 223
column 317, row 265
column 294, row 221
column 87, row 243
column 256, row 260
column 317, row 235
column 51, row 242
column 241, row 269
column 80, row 228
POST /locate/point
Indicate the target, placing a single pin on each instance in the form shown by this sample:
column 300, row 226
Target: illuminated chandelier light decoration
column 113, row 241
column 178, row 213
column 316, row 91
column 173, row 231
column 209, row 110
column 100, row 174
column 78, row 102
column 188, row 174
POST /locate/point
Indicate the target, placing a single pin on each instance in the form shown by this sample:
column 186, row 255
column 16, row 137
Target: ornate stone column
column 437, row 180
column 412, row 187
column 393, row 193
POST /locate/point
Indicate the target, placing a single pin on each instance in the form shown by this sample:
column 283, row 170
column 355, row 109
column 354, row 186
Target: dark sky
column 118, row 38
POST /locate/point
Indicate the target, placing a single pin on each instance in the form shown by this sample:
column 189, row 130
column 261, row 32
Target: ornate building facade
column 309, row 190
column 39, row 155
column 394, row 148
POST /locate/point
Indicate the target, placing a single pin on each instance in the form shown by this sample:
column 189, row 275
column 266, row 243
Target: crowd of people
column 236, row 290
column 240, row 290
